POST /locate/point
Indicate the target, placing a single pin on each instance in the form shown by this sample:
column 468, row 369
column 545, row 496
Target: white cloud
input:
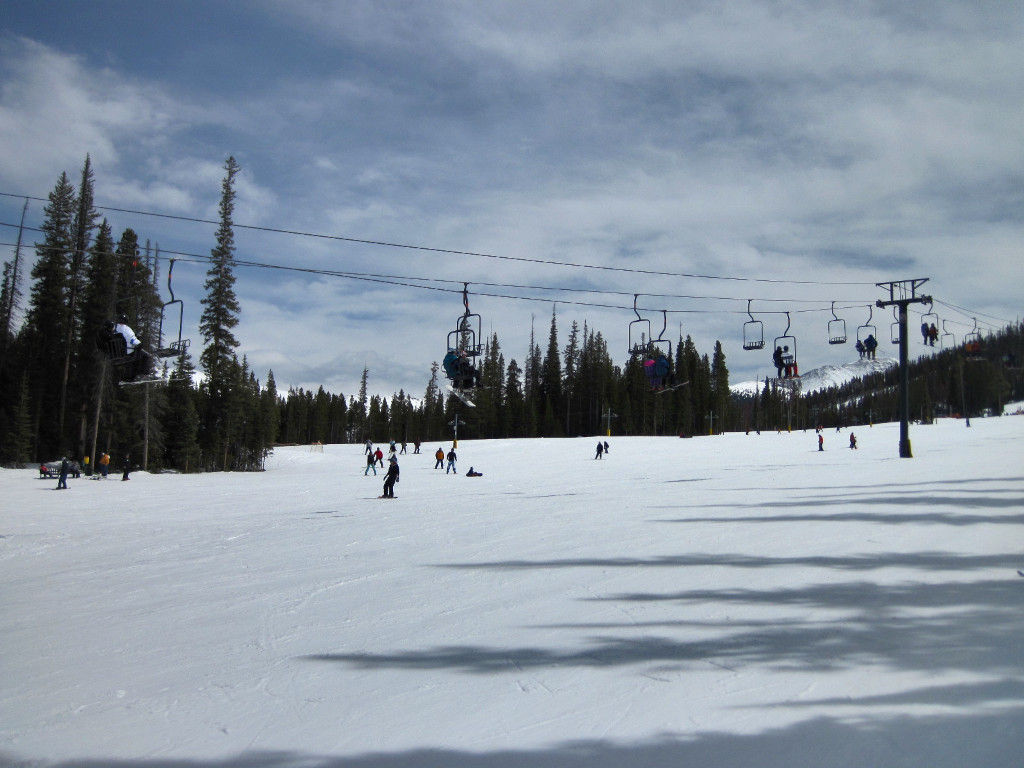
column 827, row 141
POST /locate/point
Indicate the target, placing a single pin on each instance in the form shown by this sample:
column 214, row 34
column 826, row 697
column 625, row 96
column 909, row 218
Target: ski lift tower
column 903, row 293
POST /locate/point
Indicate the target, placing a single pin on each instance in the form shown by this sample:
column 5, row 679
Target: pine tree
column 551, row 382
column 489, row 399
column 10, row 299
column 571, row 385
column 721, row 396
column 181, row 439
column 515, row 403
column 45, row 329
column 82, row 228
column 270, row 411
column 433, row 407
column 17, row 445
column 219, row 317
column 97, row 310
column 533, row 395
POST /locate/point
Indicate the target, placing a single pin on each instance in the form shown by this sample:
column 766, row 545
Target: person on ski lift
column 788, row 363
column 870, row 345
column 777, row 359
column 460, row 370
column 140, row 362
column 657, row 369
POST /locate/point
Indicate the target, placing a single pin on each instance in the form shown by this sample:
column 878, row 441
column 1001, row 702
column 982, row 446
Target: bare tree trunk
column 145, row 429
column 96, row 415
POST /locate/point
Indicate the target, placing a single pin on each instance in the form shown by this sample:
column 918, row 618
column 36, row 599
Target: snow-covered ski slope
column 739, row 600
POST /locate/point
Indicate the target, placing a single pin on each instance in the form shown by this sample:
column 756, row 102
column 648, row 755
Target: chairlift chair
column 836, row 328
column 931, row 320
column 639, row 332
column 463, row 345
column 133, row 368
column 112, row 345
column 972, row 342
column 894, row 329
column 658, row 356
column 863, row 331
column 947, row 340
column 753, row 332
column 179, row 346
column 786, row 344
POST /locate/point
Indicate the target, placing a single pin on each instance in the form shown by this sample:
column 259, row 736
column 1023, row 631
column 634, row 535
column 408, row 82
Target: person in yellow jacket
column 439, row 455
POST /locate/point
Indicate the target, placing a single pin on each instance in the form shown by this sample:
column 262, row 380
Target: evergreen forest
column 59, row 393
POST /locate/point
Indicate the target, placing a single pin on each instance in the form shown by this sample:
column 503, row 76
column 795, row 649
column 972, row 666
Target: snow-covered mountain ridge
column 826, row 376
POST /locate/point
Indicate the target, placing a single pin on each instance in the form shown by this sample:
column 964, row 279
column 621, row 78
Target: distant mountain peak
column 826, row 376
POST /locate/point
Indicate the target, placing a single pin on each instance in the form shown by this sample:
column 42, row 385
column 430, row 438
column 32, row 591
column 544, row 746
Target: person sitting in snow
column 473, row 473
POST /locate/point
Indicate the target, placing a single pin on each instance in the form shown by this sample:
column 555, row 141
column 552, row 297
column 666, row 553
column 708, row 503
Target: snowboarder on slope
column 390, row 479
column 451, row 462
column 439, row 455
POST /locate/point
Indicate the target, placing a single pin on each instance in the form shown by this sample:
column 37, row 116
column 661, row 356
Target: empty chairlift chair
column 836, row 328
column 753, row 332
column 639, row 332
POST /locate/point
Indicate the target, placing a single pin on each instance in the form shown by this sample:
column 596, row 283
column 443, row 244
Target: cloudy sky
column 699, row 154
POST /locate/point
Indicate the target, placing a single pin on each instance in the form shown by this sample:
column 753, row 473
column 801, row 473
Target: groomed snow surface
column 741, row 600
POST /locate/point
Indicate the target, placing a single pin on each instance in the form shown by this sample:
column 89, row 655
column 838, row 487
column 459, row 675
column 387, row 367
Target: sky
column 758, row 604
column 557, row 157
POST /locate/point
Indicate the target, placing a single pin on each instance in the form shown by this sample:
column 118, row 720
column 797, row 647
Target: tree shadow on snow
column 965, row 626
column 980, row 741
